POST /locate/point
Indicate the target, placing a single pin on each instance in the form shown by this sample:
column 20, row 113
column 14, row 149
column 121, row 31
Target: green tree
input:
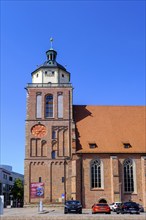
column 18, row 190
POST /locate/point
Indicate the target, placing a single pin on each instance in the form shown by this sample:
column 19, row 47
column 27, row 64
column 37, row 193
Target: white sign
column 62, row 196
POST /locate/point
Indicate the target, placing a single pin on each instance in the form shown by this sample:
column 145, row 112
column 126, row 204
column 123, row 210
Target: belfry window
column 96, row 175
column 50, row 57
column 128, row 176
column 49, row 106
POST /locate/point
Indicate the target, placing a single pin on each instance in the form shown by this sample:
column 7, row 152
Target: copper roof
column 109, row 127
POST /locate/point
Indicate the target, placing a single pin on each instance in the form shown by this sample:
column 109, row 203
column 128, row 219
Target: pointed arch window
column 128, row 175
column 96, row 174
column 49, row 106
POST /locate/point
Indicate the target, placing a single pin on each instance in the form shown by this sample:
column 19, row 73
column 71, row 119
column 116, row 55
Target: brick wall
column 113, row 180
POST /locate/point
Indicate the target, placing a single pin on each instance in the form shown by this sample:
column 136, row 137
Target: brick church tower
column 89, row 153
column 49, row 128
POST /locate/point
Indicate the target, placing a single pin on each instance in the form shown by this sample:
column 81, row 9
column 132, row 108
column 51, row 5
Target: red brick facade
column 113, row 187
column 38, row 159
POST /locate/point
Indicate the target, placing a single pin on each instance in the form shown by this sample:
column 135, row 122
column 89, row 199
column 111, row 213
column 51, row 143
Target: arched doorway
column 102, row 201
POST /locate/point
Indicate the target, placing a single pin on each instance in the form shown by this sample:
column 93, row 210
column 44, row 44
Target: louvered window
column 49, row 106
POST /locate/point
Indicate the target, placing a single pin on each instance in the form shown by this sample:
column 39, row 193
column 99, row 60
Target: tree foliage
column 18, row 190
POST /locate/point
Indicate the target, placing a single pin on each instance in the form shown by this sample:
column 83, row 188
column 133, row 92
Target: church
column 84, row 152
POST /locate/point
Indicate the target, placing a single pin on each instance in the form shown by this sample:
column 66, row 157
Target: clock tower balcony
column 49, row 85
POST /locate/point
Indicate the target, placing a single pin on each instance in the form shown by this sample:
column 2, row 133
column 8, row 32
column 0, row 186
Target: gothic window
column 60, row 105
column 128, row 175
column 96, row 175
column 49, row 106
column 39, row 106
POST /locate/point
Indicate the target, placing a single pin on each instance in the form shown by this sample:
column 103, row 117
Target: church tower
column 49, row 127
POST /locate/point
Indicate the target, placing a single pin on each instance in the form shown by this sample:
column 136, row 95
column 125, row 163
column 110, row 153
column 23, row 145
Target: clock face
column 39, row 130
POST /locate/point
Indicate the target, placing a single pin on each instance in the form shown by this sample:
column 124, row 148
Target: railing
column 47, row 85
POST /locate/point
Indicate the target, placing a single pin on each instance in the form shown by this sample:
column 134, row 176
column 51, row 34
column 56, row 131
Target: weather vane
column 51, row 40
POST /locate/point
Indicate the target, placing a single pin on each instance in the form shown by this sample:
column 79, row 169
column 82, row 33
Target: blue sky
column 102, row 44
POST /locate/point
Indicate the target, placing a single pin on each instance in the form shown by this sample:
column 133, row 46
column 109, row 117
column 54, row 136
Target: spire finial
column 51, row 41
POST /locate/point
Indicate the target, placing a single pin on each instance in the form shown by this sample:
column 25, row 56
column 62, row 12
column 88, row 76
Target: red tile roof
column 110, row 127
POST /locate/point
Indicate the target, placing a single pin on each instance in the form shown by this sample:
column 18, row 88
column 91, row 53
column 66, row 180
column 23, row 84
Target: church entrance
column 102, row 201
